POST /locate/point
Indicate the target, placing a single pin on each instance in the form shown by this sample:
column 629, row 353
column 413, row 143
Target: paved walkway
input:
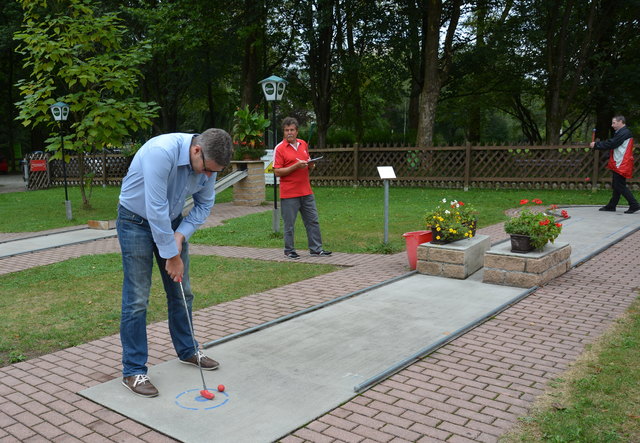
column 12, row 183
column 472, row 389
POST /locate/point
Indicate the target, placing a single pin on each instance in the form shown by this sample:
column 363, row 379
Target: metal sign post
column 273, row 88
column 276, row 213
column 60, row 112
column 386, row 173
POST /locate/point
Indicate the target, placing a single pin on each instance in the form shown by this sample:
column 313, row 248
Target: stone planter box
column 251, row 190
column 535, row 268
column 459, row 259
column 101, row 224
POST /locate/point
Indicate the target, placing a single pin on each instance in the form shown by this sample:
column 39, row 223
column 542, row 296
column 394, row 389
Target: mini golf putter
column 204, row 392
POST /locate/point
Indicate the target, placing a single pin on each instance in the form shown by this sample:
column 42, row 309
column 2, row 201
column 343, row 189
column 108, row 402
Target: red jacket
column 621, row 152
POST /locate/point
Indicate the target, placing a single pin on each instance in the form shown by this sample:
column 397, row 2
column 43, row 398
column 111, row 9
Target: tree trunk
column 436, row 68
column 319, row 57
column 353, row 75
column 254, row 22
column 10, row 108
column 475, row 112
column 416, row 18
column 565, row 72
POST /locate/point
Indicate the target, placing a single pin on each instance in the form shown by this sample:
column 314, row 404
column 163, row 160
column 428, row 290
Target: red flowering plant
column 451, row 220
column 539, row 225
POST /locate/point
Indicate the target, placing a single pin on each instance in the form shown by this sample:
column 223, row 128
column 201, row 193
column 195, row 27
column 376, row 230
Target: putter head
column 206, row 394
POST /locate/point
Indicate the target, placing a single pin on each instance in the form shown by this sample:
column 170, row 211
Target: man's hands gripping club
column 174, row 265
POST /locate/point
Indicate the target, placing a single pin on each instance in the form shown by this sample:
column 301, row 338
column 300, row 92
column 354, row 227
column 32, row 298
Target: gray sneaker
column 140, row 385
column 322, row 253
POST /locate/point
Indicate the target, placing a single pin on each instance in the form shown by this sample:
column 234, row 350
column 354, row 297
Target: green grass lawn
column 352, row 219
column 44, row 209
column 53, row 307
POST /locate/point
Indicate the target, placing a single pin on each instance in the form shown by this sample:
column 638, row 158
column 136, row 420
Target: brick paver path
column 472, row 389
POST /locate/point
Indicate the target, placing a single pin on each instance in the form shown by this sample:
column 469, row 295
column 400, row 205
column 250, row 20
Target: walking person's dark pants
column 620, row 188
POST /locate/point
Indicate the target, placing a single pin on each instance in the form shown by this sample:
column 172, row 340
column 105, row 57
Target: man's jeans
column 138, row 251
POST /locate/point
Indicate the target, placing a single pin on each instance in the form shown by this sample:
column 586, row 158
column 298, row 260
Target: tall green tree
column 614, row 85
column 437, row 62
column 77, row 57
column 12, row 135
column 318, row 22
column 254, row 17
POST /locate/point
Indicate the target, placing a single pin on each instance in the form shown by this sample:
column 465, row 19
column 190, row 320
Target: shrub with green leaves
column 539, row 226
column 451, row 220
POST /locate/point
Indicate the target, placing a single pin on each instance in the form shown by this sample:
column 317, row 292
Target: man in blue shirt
column 164, row 172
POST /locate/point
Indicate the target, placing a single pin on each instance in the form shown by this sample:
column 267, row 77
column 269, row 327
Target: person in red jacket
column 291, row 164
column 620, row 163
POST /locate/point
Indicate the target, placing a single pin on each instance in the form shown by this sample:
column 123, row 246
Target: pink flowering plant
column 451, row 220
column 539, row 225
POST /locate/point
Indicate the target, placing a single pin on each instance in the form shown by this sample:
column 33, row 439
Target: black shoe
column 607, row 209
column 140, row 385
column 206, row 363
column 322, row 253
column 293, row 255
column 632, row 210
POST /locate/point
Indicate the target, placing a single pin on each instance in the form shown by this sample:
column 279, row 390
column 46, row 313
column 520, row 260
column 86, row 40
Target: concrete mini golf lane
column 282, row 377
column 38, row 243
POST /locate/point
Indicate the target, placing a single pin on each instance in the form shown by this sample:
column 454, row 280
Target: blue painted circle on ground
column 193, row 401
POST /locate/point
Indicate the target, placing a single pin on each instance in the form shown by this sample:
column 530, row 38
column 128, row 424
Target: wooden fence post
column 596, row 171
column 104, row 168
column 355, row 162
column 467, row 165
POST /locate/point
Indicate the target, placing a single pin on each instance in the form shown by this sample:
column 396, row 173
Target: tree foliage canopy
column 77, row 56
column 414, row 71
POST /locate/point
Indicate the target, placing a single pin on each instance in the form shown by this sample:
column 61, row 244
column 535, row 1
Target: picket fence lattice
column 517, row 167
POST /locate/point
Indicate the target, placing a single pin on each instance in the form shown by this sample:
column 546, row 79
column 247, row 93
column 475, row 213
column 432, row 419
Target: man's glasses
column 204, row 165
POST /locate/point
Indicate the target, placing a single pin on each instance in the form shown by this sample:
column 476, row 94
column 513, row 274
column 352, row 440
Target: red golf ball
column 220, row 388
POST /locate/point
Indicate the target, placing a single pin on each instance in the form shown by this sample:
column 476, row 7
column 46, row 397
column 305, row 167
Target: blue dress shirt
column 159, row 181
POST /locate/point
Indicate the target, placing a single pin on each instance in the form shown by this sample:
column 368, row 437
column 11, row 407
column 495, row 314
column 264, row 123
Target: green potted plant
column 451, row 221
column 531, row 230
column 248, row 134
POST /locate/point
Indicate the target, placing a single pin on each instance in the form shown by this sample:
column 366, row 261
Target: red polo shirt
column 297, row 183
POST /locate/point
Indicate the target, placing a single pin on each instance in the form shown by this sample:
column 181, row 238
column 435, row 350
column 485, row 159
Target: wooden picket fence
column 518, row 167
column 507, row 166
column 107, row 169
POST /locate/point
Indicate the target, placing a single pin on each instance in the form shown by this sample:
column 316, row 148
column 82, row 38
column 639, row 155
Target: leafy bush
column 539, row 226
column 451, row 221
column 248, row 134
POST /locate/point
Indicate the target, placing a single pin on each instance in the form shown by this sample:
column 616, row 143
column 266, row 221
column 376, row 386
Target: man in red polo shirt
column 291, row 164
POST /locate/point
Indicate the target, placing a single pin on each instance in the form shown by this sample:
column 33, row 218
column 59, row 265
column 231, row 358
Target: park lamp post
column 273, row 88
column 60, row 112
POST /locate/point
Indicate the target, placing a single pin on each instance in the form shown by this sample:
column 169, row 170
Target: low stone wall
column 458, row 260
column 503, row 267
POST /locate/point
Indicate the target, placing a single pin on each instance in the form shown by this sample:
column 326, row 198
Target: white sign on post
column 386, row 172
